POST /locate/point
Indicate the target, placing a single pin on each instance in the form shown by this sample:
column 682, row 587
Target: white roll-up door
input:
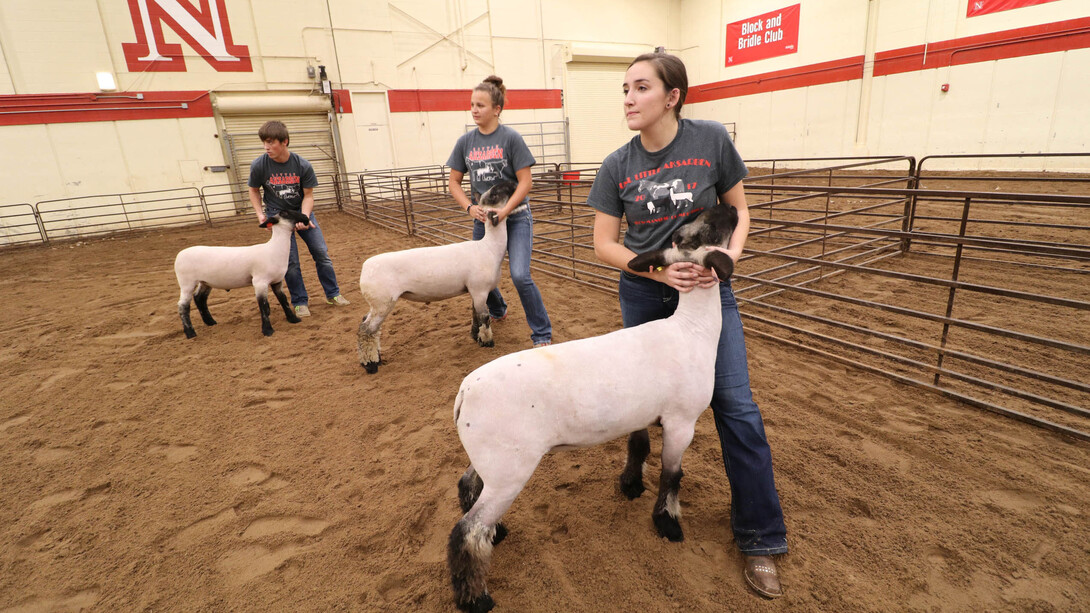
column 595, row 101
column 309, row 129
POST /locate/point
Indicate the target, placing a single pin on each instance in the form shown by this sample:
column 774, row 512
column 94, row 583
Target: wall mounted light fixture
column 106, row 81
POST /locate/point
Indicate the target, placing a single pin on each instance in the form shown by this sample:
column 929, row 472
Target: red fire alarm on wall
column 945, row 87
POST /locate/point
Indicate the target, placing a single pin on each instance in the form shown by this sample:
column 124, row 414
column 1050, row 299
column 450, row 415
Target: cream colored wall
column 41, row 37
column 67, row 160
column 522, row 41
column 56, row 46
column 1029, row 104
column 7, row 81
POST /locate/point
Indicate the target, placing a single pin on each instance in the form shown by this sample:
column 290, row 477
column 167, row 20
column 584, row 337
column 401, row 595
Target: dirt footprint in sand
column 18, row 420
column 77, row 601
column 252, row 474
column 284, row 524
column 69, row 495
column 252, row 561
column 173, row 453
column 56, row 375
column 248, row 563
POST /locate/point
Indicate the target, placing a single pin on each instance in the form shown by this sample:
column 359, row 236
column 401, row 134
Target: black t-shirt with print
column 282, row 184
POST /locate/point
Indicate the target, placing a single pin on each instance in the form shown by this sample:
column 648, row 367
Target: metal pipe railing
column 847, row 257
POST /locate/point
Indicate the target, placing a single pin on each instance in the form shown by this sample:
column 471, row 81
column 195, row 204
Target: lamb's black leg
column 639, row 447
column 676, row 437
column 482, row 328
column 469, row 488
column 278, row 291
column 667, row 511
column 263, row 305
column 468, row 559
column 201, row 298
column 187, row 325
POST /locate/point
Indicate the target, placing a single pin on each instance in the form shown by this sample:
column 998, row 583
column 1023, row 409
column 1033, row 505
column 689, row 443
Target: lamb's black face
column 713, row 227
column 294, row 217
column 498, row 194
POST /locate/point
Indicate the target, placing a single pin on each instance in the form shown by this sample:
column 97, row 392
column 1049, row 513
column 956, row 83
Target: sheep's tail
column 458, row 404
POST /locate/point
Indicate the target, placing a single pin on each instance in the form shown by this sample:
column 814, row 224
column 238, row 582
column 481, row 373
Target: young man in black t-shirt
column 288, row 183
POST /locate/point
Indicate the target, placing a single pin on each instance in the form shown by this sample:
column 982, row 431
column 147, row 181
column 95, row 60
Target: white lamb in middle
column 428, row 274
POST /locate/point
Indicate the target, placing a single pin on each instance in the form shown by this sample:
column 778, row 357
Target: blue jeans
column 756, row 516
column 318, row 252
column 520, row 242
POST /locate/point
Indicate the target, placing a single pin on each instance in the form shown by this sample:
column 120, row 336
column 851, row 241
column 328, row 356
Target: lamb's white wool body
column 201, row 268
column 513, row 410
column 589, row 391
column 428, row 274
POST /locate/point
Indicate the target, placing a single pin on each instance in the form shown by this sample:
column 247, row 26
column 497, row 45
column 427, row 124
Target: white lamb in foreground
column 428, row 274
column 201, row 268
column 515, row 409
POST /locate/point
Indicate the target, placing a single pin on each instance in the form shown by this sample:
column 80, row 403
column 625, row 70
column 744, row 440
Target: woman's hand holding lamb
column 478, row 213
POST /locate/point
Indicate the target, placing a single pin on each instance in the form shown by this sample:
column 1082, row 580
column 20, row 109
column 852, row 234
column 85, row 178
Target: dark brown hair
column 273, row 130
column 671, row 70
column 494, row 86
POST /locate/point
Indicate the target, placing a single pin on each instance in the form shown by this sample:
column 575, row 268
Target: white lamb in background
column 515, row 409
column 428, row 274
column 201, row 268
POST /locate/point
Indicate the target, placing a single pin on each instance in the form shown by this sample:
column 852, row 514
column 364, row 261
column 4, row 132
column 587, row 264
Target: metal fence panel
column 19, row 225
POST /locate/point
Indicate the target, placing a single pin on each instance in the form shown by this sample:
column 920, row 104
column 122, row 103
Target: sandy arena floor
column 140, row 471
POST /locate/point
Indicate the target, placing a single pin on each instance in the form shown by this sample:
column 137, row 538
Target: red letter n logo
column 206, row 31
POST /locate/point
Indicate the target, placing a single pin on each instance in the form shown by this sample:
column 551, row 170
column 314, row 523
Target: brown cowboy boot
column 761, row 575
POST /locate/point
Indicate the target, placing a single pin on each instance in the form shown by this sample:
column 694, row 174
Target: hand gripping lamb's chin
column 509, row 413
column 711, row 229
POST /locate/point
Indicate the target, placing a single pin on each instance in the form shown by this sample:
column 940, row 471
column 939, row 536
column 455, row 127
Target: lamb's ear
column 493, row 218
column 647, row 260
column 269, row 222
column 721, row 263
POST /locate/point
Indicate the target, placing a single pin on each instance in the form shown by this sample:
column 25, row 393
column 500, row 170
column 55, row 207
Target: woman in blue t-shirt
column 661, row 180
column 489, row 154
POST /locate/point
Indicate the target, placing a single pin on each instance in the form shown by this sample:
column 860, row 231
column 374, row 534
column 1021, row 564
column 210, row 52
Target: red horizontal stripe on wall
column 428, row 100
column 31, row 109
column 803, row 76
column 1032, row 40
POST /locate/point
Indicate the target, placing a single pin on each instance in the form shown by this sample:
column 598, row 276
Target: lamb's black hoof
column 668, row 527
column 501, row 533
column 267, row 332
column 190, row 333
column 370, row 367
column 294, row 320
column 486, row 343
column 632, row 488
column 478, row 605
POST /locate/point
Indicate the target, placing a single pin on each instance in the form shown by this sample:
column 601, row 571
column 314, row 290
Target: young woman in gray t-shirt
column 491, row 153
column 662, row 179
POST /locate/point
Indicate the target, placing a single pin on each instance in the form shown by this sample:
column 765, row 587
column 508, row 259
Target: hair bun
column 497, row 81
